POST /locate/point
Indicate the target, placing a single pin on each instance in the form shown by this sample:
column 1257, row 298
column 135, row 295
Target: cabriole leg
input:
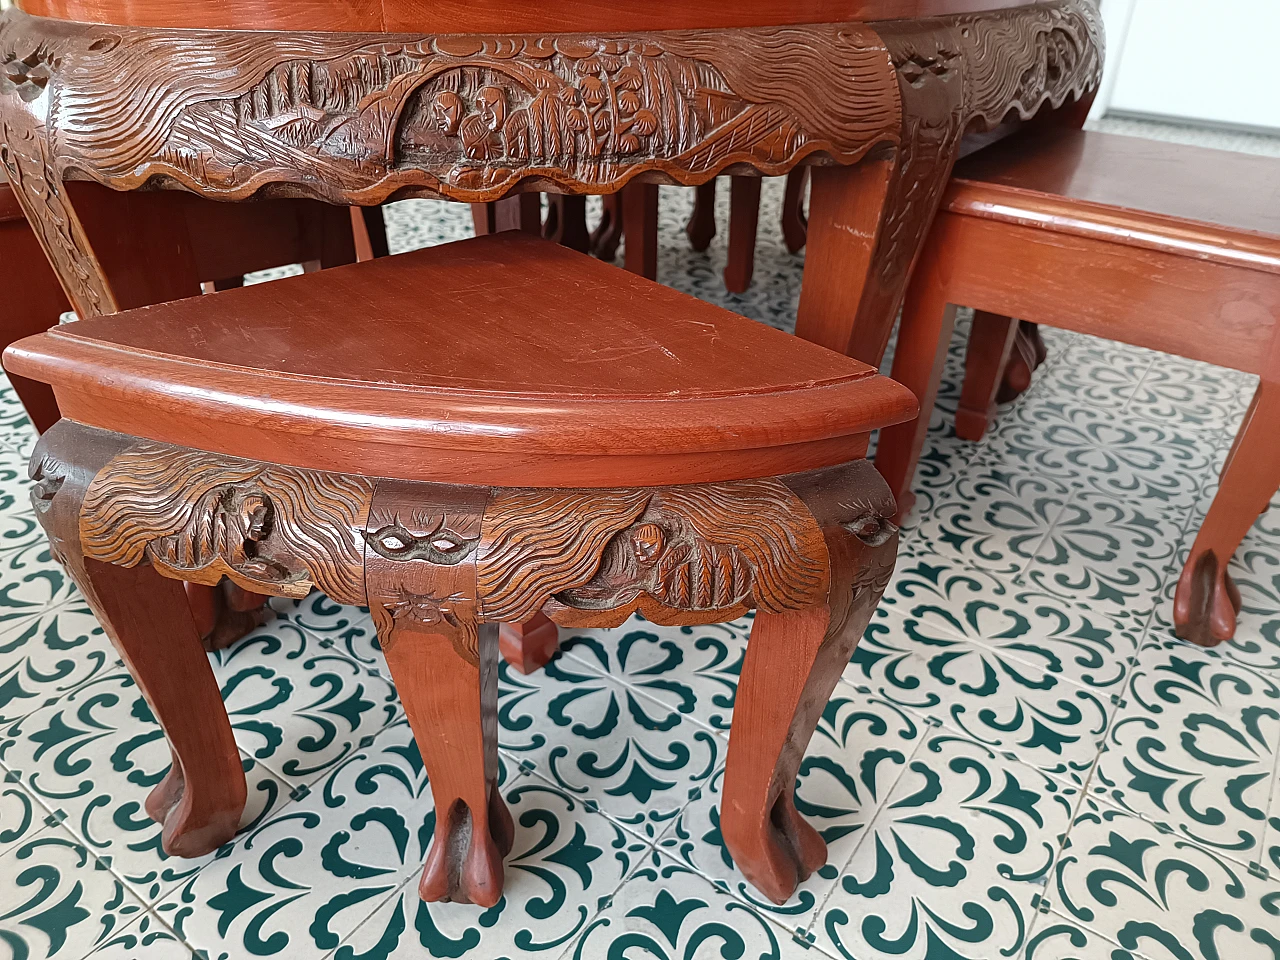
column 1207, row 602
column 793, row 661
column 146, row 615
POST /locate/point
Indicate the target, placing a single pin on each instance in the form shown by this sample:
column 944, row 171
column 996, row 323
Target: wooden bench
column 486, row 432
column 1168, row 247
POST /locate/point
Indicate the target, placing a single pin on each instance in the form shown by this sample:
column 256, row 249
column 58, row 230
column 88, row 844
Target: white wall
column 1194, row 61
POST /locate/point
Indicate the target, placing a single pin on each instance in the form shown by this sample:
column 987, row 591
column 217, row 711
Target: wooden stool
column 510, row 427
column 1168, row 247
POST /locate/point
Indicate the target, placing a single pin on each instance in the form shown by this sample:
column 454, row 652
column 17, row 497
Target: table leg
column 744, row 219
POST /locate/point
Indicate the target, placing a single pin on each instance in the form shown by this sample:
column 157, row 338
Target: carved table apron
column 879, row 110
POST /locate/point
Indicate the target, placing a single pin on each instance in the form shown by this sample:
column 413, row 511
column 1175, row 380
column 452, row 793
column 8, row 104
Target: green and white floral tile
column 349, row 629
column 1105, row 451
column 943, row 461
column 1190, row 396
column 616, row 748
column 983, row 693
column 48, row 654
column 93, row 757
column 1062, row 639
column 16, row 431
column 22, row 816
column 297, row 705
column 857, row 754
column 1195, row 749
column 567, row 863
column 994, row 517
column 1160, row 896
column 666, row 911
column 57, row 899
column 1056, row 938
column 146, row 939
column 1098, row 373
column 954, row 862
column 695, row 670
column 1113, row 556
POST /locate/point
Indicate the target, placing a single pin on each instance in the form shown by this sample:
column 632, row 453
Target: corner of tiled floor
column 1021, row 759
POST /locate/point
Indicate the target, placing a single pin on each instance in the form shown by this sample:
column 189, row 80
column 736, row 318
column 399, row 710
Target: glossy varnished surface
column 1213, row 203
column 470, row 16
column 474, row 359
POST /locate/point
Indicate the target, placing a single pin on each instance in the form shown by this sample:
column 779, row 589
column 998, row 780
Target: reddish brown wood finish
column 1167, row 247
column 530, row 645
column 605, row 377
column 991, row 342
column 201, row 798
column 744, row 216
column 468, row 16
column 523, row 212
column 640, row 228
column 701, row 228
column 566, row 222
column 32, row 301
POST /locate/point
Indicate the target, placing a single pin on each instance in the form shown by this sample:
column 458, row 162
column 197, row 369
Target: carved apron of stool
column 440, row 566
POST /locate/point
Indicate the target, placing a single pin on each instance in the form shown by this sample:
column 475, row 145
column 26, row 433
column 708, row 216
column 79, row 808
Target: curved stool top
column 478, row 16
column 502, row 360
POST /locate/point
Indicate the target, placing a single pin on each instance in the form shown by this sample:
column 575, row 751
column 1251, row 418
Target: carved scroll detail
column 201, row 516
column 345, row 116
column 710, row 547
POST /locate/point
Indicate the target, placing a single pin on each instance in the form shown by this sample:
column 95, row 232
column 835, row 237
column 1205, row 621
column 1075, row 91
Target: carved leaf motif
column 200, row 516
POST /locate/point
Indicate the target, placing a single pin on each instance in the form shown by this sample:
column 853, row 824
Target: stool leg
column 566, row 222
column 452, row 704
column 640, row 228
column 923, row 339
column 795, row 223
column 1206, row 602
column 990, row 343
column 792, row 664
column 744, row 218
column 1026, row 356
column 529, row 646
column 701, row 228
column 607, row 235
column 202, row 797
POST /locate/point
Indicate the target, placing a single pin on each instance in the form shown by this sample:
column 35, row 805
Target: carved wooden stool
column 519, row 428
column 1162, row 246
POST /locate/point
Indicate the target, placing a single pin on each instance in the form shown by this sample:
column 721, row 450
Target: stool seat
column 1190, row 201
column 499, row 360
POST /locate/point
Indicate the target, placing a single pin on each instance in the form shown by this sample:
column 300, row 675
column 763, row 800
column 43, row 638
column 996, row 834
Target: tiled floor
column 1021, row 760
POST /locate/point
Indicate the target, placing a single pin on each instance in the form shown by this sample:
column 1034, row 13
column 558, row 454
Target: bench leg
column 201, row 799
column 990, row 344
column 795, row 223
column 1207, row 602
column 701, row 228
column 529, row 646
column 923, row 339
column 744, row 219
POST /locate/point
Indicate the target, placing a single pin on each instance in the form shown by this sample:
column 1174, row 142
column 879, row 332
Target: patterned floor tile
column 667, row 911
column 1056, row 938
column 994, row 517
column 1104, row 451
column 1195, row 748
column 859, row 750
column 21, row 815
column 1061, row 639
column 954, row 862
column 1099, row 373
column 349, row 629
column 1113, row 556
column 146, row 939
column 1189, row 396
column 297, row 705
column 56, row 899
column 982, row 693
column 48, row 654
column 94, row 756
column 1160, row 896
column 693, row 669
column 638, row 759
